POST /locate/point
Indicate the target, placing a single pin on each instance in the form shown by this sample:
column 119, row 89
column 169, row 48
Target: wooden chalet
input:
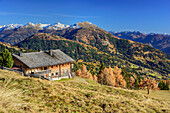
column 51, row 65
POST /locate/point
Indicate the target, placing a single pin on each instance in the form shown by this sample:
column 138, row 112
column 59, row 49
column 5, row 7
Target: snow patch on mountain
column 75, row 26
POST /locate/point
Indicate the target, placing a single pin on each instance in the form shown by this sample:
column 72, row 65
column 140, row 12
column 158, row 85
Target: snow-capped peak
column 55, row 26
column 10, row 26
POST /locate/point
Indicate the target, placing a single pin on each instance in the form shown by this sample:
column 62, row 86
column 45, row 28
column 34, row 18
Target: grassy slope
column 74, row 95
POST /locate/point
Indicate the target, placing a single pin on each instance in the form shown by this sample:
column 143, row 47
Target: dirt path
column 81, row 80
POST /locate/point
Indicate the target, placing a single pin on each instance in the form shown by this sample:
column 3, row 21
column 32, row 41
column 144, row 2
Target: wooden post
column 59, row 71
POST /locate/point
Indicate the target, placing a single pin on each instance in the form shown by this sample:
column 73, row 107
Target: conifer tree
column 167, row 86
column 163, row 85
column 101, row 68
column 6, row 59
column 136, row 84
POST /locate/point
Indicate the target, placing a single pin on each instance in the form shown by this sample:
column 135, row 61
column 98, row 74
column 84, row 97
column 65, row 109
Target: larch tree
column 131, row 82
column 95, row 78
column 109, row 77
column 84, row 71
column 120, row 82
column 100, row 77
column 89, row 76
column 78, row 73
column 106, row 77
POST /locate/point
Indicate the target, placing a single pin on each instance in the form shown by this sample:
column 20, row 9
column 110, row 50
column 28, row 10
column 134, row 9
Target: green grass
column 134, row 66
column 154, row 74
column 74, row 95
column 63, row 79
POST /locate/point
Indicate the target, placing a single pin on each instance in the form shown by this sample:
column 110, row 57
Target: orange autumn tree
column 78, row 73
column 119, row 80
column 95, row 78
column 149, row 84
column 131, row 82
column 89, row 75
column 84, row 73
column 112, row 78
column 107, row 77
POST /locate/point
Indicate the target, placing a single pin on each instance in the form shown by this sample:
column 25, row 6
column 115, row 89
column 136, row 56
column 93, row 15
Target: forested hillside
column 104, row 47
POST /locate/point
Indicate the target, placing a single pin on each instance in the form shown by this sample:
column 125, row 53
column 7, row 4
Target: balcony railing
column 40, row 74
column 43, row 72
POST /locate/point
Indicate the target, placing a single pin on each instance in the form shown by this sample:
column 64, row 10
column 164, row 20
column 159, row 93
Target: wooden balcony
column 40, row 74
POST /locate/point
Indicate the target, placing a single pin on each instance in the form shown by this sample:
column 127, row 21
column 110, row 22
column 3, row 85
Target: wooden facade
column 51, row 72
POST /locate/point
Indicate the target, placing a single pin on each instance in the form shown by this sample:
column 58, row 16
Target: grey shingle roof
column 43, row 59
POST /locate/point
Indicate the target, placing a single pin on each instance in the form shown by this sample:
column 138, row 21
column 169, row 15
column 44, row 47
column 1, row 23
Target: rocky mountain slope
column 159, row 41
column 15, row 33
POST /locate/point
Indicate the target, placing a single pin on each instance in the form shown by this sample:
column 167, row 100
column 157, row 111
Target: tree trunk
column 148, row 91
column 102, row 82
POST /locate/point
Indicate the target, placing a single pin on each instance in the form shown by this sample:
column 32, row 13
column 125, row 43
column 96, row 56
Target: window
column 35, row 70
column 56, row 73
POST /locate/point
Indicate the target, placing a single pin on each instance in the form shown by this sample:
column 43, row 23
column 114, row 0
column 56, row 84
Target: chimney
column 39, row 50
column 50, row 52
column 20, row 53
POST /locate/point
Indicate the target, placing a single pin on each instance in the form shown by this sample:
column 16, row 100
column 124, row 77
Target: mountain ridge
column 15, row 35
column 159, row 41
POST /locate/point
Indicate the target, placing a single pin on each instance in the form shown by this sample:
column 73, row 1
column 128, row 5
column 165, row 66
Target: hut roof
column 43, row 58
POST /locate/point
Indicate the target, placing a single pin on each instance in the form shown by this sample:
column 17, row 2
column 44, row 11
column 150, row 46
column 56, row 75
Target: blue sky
column 116, row 15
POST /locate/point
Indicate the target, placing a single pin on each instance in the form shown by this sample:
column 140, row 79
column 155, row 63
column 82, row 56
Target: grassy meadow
column 22, row 94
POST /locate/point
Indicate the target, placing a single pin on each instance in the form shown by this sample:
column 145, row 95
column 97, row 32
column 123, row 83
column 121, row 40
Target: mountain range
column 55, row 26
column 159, row 41
column 93, row 45
column 14, row 33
